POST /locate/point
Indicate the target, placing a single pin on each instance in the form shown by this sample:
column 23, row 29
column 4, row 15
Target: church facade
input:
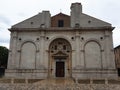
column 75, row 46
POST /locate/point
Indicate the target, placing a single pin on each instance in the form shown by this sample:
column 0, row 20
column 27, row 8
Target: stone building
column 117, row 58
column 75, row 46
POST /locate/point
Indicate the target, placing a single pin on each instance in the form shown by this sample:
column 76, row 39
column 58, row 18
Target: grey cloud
column 4, row 40
column 21, row 14
column 5, row 20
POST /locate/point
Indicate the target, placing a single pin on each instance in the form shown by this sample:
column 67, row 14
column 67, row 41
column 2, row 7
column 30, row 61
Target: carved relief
column 60, row 52
column 60, row 45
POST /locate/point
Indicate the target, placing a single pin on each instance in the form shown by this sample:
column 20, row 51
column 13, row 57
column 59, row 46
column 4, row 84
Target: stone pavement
column 59, row 87
column 58, row 84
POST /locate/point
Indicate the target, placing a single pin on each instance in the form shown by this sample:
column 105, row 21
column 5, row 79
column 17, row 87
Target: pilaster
column 108, row 51
column 77, row 41
column 13, row 46
column 38, row 54
column 42, row 47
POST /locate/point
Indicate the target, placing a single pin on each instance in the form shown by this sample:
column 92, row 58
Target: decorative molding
column 36, row 44
column 94, row 40
column 57, row 37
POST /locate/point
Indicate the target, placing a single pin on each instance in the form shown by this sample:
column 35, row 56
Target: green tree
column 3, row 56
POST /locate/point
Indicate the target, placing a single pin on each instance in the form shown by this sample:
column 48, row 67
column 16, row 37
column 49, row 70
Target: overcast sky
column 14, row 11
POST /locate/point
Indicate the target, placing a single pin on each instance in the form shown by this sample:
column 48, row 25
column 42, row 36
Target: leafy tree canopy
column 3, row 56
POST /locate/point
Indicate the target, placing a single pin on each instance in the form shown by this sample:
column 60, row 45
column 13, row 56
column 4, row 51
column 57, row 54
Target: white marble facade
column 85, row 49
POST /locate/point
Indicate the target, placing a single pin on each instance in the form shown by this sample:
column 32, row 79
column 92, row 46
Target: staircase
column 59, row 84
column 56, row 81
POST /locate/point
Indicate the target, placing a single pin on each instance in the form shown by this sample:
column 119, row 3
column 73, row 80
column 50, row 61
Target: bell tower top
column 77, row 7
column 76, row 12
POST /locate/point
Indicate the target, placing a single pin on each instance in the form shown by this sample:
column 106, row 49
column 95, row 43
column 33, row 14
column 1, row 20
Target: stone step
column 56, row 81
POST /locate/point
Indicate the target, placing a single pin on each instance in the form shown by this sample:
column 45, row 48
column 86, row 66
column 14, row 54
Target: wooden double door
column 60, row 69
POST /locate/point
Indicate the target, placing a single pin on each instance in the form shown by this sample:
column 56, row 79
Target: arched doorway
column 60, row 58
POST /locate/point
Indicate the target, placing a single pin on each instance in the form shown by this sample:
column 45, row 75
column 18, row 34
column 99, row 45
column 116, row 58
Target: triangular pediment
column 60, row 53
column 60, row 14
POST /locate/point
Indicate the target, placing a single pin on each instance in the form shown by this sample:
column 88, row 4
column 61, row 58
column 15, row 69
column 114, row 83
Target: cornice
column 62, row 29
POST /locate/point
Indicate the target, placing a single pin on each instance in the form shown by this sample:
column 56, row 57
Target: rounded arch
column 60, row 51
column 28, row 55
column 91, row 40
column 57, row 37
column 60, row 44
column 62, row 39
column 31, row 41
column 92, row 54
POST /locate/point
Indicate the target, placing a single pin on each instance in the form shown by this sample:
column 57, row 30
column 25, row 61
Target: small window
column 60, row 23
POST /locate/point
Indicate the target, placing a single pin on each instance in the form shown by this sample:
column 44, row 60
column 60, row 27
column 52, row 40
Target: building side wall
column 117, row 56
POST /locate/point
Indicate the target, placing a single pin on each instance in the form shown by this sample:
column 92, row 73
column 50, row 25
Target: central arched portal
column 60, row 58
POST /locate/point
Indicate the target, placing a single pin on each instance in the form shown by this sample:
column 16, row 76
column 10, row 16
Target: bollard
column 26, row 80
column 12, row 81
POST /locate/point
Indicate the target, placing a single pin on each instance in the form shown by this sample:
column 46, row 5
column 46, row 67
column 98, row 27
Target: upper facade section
column 60, row 20
column 77, row 19
column 41, row 20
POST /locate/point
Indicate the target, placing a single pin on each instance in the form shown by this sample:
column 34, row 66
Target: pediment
column 61, row 15
column 60, row 53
